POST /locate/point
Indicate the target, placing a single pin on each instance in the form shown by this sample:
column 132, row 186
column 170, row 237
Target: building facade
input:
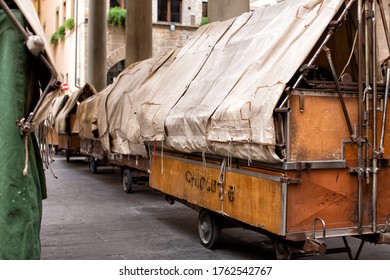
column 65, row 23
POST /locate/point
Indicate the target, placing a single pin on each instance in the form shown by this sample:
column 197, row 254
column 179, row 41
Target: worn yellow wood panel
column 317, row 133
column 181, row 179
column 249, row 199
column 255, row 201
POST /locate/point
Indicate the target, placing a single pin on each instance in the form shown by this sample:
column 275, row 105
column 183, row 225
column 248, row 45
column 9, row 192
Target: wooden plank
column 255, row 201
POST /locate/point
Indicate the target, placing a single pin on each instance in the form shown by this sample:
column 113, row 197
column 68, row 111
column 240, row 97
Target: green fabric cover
column 20, row 196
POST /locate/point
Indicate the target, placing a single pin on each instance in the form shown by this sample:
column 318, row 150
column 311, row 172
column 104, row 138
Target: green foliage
column 69, row 23
column 60, row 32
column 117, row 16
column 204, row 21
column 54, row 38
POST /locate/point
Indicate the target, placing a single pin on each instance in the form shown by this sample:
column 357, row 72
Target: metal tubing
column 360, row 109
column 384, row 22
column 374, row 123
column 367, row 92
column 331, row 30
column 386, row 97
column 336, row 80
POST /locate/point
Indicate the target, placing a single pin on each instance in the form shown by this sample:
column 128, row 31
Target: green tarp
column 20, row 196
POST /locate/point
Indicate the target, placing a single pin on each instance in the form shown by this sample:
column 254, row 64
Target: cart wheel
column 208, row 229
column 93, row 164
column 127, row 181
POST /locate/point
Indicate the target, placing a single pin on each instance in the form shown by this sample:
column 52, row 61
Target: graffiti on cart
column 201, row 181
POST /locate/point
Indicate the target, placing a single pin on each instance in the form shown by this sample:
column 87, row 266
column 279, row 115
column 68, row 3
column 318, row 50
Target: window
column 118, row 3
column 169, row 10
column 57, row 18
column 64, row 12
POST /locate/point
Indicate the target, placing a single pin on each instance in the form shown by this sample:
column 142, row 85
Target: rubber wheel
column 208, row 229
column 127, row 181
column 93, row 166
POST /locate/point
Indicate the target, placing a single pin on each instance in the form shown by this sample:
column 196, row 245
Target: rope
column 25, row 170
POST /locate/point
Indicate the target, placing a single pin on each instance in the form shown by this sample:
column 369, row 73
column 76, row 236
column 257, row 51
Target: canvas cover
column 228, row 105
column 71, row 102
column 20, row 196
column 218, row 93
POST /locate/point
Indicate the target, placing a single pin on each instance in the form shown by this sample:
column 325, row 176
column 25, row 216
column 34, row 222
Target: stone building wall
column 163, row 40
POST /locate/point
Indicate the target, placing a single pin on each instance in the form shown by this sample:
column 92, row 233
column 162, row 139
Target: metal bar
column 384, row 22
column 336, row 80
column 347, row 248
column 331, row 29
column 359, row 250
column 367, row 92
column 360, row 108
column 386, row 97
column 13, row 19
column 374, row 123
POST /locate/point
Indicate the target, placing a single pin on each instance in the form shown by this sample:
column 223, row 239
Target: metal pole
column 374, row 123
column 367, row 93
column 360, row 119
column 386, row 97
column 385, row 27
column 336, row 80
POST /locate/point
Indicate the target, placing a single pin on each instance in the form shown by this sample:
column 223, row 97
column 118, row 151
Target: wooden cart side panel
column 193, row 183
column 249, row 199
column 255, row 201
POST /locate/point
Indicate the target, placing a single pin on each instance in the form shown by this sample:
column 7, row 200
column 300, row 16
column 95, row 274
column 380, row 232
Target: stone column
column 97, row 44
column 138, row 30
column 220, row 10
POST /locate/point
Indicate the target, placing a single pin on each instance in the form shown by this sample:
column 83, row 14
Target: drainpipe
column 76, row 82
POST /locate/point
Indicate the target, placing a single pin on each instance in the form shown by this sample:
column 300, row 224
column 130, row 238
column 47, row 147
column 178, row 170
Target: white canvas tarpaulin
column 220, row 93
column 116, row 107
column 73, row 99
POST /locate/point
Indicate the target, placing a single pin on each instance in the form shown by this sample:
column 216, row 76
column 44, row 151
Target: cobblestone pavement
column 89, row 217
